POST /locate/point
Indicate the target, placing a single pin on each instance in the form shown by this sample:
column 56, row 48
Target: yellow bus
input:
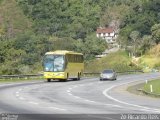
column 63, row 65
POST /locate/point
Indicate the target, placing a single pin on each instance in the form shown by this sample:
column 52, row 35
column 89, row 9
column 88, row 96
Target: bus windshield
column 54, row 63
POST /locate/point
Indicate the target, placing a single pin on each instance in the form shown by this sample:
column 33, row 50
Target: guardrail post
column 151, row 88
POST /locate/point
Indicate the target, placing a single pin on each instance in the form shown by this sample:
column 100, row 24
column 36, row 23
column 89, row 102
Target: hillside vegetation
column 12, row 19
column 152, row 58
column 118, row 61
column 29, row 28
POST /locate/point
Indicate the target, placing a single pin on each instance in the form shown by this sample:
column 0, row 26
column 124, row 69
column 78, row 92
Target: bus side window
column 68, row 58
column 79, row 58
column 75, row 58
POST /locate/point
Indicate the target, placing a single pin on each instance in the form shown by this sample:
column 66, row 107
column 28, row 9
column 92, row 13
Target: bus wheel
column 48, row 80
column 79, row 76
column 62, row 80
column 67, row 76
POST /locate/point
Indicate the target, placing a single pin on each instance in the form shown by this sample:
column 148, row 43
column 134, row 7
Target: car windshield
column 54, row 63
column 108, row 71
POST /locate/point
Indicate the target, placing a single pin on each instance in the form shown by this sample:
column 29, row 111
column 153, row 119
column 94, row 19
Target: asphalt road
column 88, row 99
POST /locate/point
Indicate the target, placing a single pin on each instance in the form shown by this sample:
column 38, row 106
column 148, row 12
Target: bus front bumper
column 54, row 75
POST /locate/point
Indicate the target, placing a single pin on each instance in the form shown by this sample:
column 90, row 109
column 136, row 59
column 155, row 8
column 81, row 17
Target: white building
column 108, row 34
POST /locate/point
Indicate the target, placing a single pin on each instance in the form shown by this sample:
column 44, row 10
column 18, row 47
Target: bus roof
column 62, row 52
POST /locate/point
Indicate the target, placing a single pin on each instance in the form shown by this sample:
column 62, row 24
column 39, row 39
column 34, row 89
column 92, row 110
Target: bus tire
column 48, row 80
column 63, row 80
column 66, row 78
column 79, row 76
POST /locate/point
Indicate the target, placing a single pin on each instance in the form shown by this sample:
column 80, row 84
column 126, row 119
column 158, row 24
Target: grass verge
column 155, row 87
column 138, row 89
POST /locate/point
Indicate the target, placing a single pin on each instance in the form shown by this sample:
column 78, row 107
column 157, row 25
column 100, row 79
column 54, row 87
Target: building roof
column 62, row 52
column 105, row 30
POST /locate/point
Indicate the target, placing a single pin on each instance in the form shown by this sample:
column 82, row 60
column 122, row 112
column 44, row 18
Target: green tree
column 69, row 18
column 135, row 35
column 145, row 44
column 156, row 33
column 91, row 46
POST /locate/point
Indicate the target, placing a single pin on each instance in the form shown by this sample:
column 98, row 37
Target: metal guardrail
column 126, row 72
column 40, row 75
column 20, row 76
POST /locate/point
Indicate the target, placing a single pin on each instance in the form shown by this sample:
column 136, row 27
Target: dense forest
column 29, row 28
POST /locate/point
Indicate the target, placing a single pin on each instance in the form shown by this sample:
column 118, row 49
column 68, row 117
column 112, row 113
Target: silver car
column 108, row 74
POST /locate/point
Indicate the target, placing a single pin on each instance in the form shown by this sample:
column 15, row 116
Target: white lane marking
column 26, row 87
column 35, row 103
column 68, row 91
column 113, row 105
column 70, row 94
column 70, row 88
column 17, row 95
column 105, row 92
column 77, row 97
column 56, row 108
column 90, row 101
column 21, row 98
column 101, row 103
column 75, row 86
column 82, row 85
column 20, row 90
